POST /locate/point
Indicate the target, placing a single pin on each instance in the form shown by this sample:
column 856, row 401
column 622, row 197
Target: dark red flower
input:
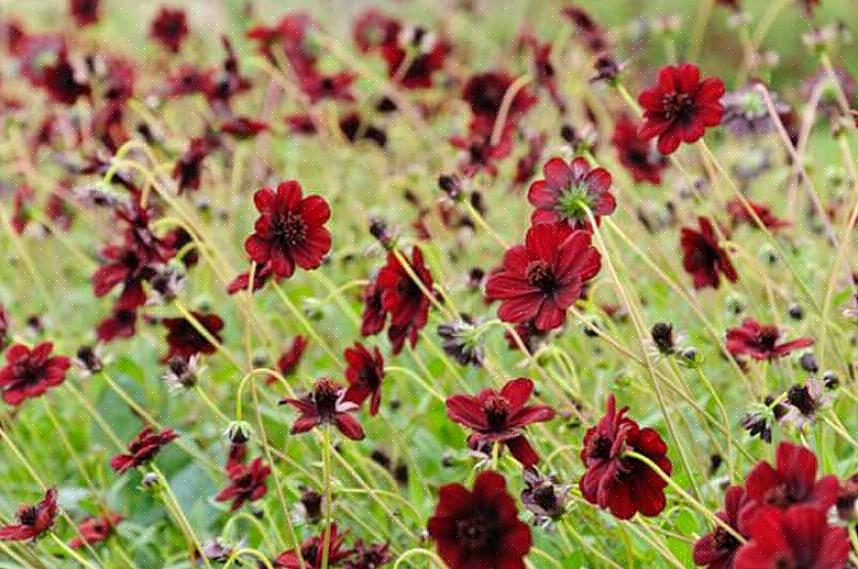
column 243, row 128
column 364, row 372
column 288, row 362
column 312, row 552
column 402, row 298
column 639, row 156
column 373, row 29
column 170, row 28
column 739, row 214
column 479, row 528
column 336, row 86
column 290, row 230
column 29, row 373
column 184, row 340
column 128, row 265
column 703, row 256
column 798, row 538
column 142, row 448
column 121, row 323
column 680, row 107
column 33, row 519
column 291, row 34
column 374, row 316
column 423, row 53
column 793, row 481
column 189, row 167
column 326, row 405
column 717, row 549
column 242, row 281
column 500, row 417
column 60, row 81
column 568, row 191
column 84, row 12
column 542, row 278
column 622, row 484
column 590, row 33
column 481, row 152
column 484, row 93
column 95, row 529
column 246, row 483
column 368, row 556
column 760, row 341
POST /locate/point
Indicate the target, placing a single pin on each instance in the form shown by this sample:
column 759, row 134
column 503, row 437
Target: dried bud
column 662, row 337
column 238, row 432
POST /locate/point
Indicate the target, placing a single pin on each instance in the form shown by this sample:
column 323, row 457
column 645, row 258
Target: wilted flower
column 804, row 401
column 33, row 519
column 183, row 373
column 544, row 496
column 461, row 341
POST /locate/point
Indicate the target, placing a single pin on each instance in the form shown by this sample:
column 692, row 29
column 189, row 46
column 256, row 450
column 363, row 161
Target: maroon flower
column 374, row 316
column 500, row 417
column 243, row 128
column 84, row 12
column 29, row 373
column 189, row 167
column 739, row 214
column 543, row 277
column 142, row 448
column 624, row 485
column 793, row 481
column 364, row 373
column 717, row 549
column 402, row 298
column 703, row 256
column 568, row 191
column 290, row 230
column 479, row 528
column 120, row 324
column 639, row 156
column 95, row 529
column 368, row 556
column 798, row 538
column 33, row 519
column 373, row 29
column 336, row 86
column 312, row 552
column 60, row 82
column 246, row 483
column 184, row 340
column 680, row 107
column 326, row 405
column 421, row 51
column 484, row 93
column 288, row 362
column 760, row 341
column 169, row 28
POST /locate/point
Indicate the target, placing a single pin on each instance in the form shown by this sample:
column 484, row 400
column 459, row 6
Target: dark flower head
column 618, row 483
column 61, row 81
column 663, row 338
column 373, row 29
column 88, row 360
column 792, row 481
column 637, row 155
column 243, row 128
column 189, row 167
column 739, row 214
column 484, row 93
column 368, row 556
column 403, row 299
column 364, row 372
column 479, row 528
column 761, row 341
column 680, row 107
column 95, row 529
column 703, row 256
column 804, row 402
column 797, row 538
column 312, row 552
column 542, row 278
column 182, row 373
column 544, row 496
column 335, row 86
column 374, row 316
column 311, row 503
column 84, row 12
column 121, row 323
column 33, row 519
column 461, row 340
column 184, row 340
column 717, row 549
column 30, row 372
column 569, row 191
column 414, row 58
column 169, row 28
column 500, row 417
column 326, row 405
column 290, row 230
column 142, row 448
column 246, row 483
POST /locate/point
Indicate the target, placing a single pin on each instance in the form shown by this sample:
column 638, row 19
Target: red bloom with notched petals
column 542, row 278
column 246, row 483
column 792, row 481
column 312, row 552
column 33, row 519
column 184, row 340
column 740, row 214
column 621, row 484
column 500, row 417
column 484, row 93
column 403, row 299
column 290, row 230
column 680, row 107
column 169, row 28
column 760, row 341
column 479, row 528
column 797, row 538
column 29, row 373
column 423, row 53
column 703, row 256
column 364, row 372
column 142, row 448
column 568, row 191
column 326, row 404
column 639, row 156
column 95, row 529
column 717, row 549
